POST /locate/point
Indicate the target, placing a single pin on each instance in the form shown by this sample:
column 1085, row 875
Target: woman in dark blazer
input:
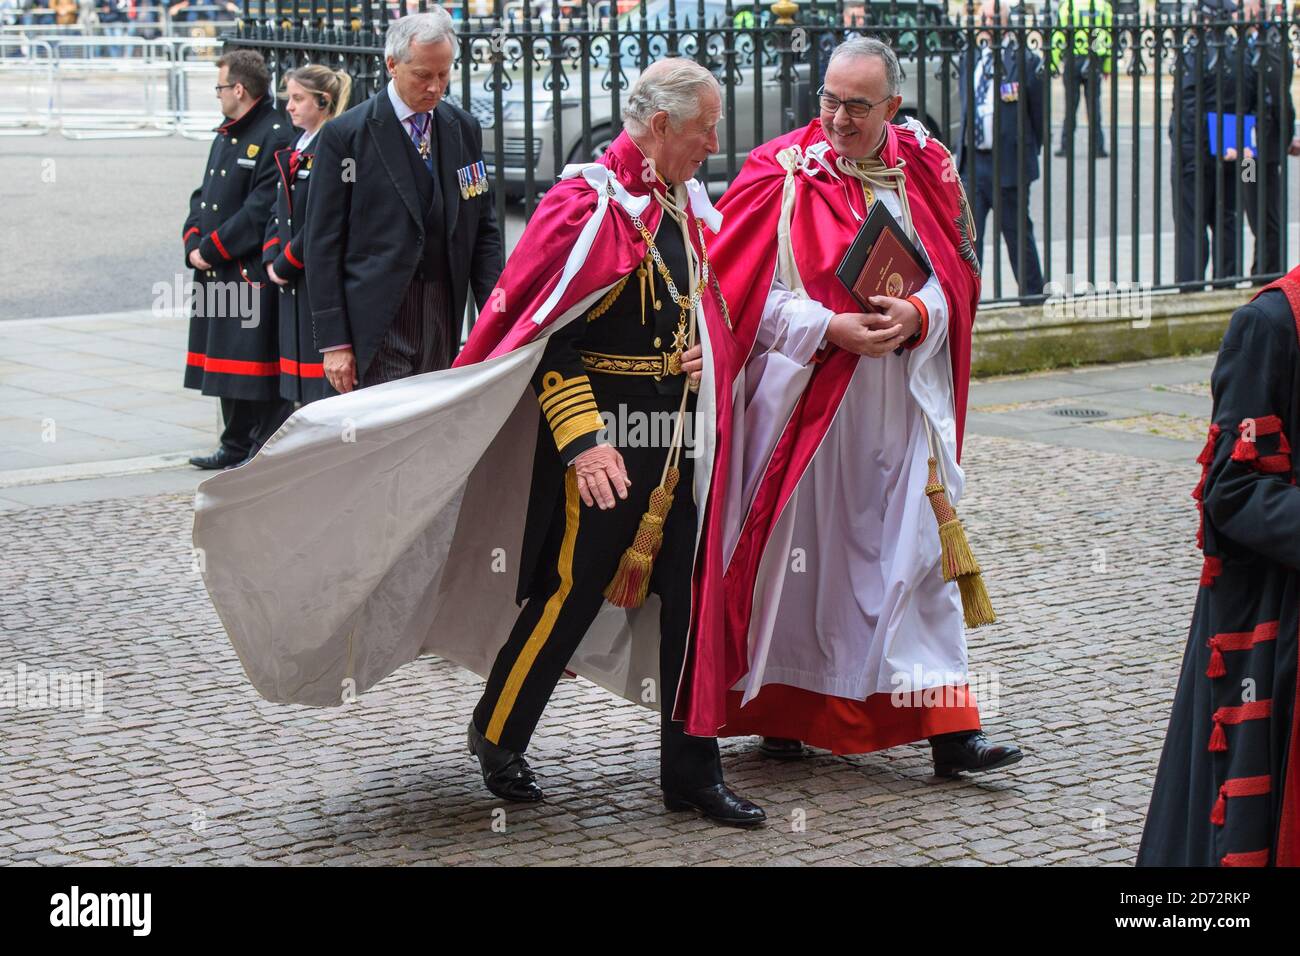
column 315, row 94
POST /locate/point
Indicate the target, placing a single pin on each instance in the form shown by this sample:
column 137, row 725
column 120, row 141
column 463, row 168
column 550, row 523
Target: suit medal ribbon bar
column 473, row 180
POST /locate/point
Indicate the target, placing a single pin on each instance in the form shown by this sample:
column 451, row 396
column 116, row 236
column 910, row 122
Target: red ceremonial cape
column 820, row 232
column 532, row 274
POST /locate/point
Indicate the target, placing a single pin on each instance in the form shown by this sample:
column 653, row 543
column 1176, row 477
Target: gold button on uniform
column 658, row 342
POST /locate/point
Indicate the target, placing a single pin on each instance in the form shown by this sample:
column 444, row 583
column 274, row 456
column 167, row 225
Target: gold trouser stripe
column 542, row 630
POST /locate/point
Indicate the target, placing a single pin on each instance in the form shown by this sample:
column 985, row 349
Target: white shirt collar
column 305, row 139
column 399, row 105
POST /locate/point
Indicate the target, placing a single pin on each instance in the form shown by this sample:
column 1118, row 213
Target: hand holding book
column 880, row 270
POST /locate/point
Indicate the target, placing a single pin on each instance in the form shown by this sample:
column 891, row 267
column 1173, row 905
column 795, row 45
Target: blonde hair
column 318, row 80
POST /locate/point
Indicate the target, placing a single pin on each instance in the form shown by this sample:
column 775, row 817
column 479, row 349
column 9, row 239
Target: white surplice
column 850, row 598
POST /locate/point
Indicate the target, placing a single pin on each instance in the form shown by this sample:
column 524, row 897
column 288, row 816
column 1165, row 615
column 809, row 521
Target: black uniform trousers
column 1011, row 214
column 250, row 423
column 1268, row 232
column 1088, row 76
column 1191, row 223
column 579, row 558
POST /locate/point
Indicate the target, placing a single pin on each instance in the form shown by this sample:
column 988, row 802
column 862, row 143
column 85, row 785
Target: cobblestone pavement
column 1090, row 561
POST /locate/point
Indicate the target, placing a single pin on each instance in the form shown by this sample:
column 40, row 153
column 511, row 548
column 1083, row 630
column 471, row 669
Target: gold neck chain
column 684, row 303
column 707, row 277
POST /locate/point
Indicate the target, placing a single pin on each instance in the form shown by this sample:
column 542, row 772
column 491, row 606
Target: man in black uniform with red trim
column 1228, row 789
column 233, row 343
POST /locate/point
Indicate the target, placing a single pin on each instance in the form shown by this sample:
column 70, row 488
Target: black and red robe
column 1227, row 792
column 302, row 372
column 232, row 348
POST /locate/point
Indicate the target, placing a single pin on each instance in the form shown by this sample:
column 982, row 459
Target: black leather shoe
column 222, row 458
column 971, row 752
column 1101, row 154
column 717, row 803
column 505, row 772
column 781, row 748
column 1060, row 152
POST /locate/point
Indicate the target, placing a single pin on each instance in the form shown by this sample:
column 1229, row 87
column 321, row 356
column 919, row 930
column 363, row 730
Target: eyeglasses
column 855, row 108
column 225, row 86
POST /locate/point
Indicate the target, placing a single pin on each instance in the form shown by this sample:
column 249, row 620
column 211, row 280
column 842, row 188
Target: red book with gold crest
column 881, row 260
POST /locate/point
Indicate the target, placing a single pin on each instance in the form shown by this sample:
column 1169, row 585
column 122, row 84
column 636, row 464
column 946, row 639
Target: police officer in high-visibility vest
column 1088, row 36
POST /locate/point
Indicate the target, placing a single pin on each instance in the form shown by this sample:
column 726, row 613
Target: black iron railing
column 547, row 80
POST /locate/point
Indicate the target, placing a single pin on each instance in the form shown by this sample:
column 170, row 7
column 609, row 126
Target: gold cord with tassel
column 958, row 561
column 631, row 582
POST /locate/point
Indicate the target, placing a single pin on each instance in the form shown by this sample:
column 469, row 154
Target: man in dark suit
column 989, row 117
column 1268, row 59
column 400, row 222
column 1205, row 190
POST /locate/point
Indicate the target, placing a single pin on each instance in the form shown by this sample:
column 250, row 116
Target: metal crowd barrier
column 27, row 84
column 97, row 96
column 96, row 87
column 193, row 74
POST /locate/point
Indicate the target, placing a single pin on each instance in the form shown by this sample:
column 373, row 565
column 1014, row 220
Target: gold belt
column 654, row 366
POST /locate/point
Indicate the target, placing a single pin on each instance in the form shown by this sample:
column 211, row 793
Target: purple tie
column 419, row 123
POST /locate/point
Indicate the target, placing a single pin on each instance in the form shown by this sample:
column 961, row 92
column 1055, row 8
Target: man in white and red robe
column 841, row 630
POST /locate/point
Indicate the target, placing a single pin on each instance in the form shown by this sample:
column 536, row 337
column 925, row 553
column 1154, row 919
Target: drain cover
column 1068, row 412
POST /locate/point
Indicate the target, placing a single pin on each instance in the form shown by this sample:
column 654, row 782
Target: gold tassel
column 631, row 581
column 975, row 603
column 958, row 562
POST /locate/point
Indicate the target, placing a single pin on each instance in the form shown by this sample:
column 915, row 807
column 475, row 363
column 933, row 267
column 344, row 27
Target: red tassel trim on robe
column 1255, row 710
column 1247, row 450
column 1210, row 570
column 1238, row 787
column 1237, row 641
column 1204, row 459
column 1254, row 858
